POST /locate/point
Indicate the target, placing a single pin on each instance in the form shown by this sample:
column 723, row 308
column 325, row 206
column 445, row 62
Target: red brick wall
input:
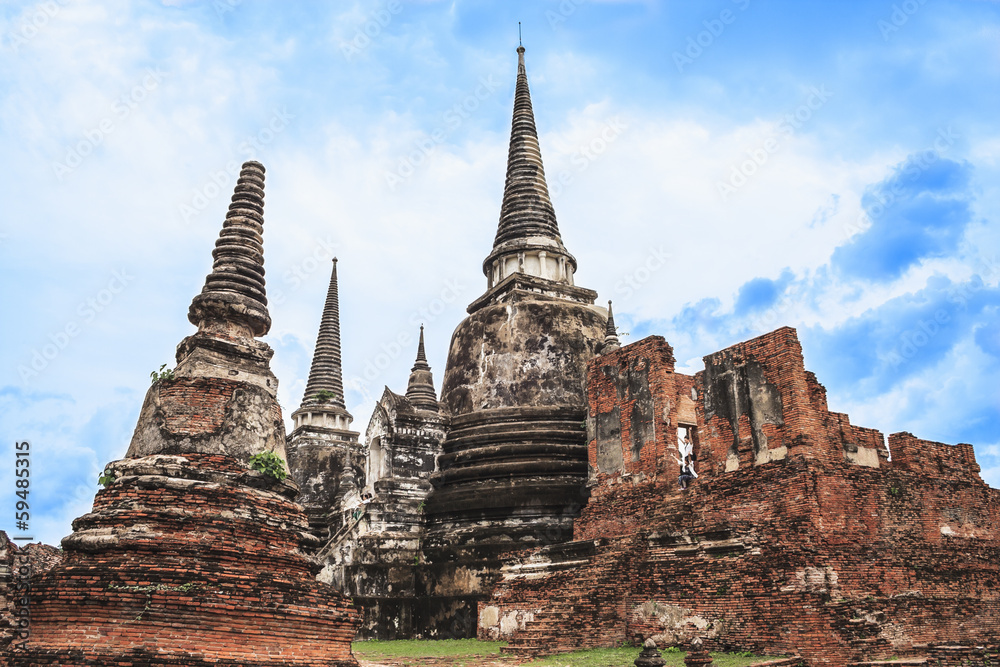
column 811, row 552
column 616, row 384
column 38, row 558
column 616, row 381
column 934, row 459
column 828, row 561
column 195, row 406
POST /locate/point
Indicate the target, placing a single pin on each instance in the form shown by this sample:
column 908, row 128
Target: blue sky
column 718, row 168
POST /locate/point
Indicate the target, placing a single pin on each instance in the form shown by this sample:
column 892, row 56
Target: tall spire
column 326, row 374
column 234, row 290
column 526, row 210
column 420, row 390
column 527, row 240
column 611, row 342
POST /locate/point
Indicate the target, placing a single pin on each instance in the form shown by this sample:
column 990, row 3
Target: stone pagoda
column 514, row 465
column 324, row 455
column 379, row 563
column 190, row 557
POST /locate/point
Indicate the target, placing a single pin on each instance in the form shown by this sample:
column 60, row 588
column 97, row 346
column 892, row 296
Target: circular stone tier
column 515, row 460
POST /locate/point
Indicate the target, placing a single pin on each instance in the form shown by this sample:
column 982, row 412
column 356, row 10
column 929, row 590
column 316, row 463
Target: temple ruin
column 538, row 501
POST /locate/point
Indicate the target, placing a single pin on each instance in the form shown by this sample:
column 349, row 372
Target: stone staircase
column 341, row 534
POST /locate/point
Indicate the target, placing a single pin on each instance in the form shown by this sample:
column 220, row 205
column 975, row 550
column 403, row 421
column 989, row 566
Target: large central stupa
column 514, row 463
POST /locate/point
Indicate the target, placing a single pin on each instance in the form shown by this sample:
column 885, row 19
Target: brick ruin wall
column 798, row 536
column 16, row 563
column 187, row 560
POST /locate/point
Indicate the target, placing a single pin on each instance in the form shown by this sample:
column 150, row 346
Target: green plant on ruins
column 106, row 478
column 270, row 464
column 324, row 396
column 163, row 374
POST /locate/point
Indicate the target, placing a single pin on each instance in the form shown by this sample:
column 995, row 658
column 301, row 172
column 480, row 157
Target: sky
column 719, row 169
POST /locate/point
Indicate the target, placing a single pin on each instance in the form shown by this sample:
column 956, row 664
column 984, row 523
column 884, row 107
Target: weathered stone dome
column 514, row 463
column 525, row 353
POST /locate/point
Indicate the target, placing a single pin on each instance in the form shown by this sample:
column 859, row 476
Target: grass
column 426, row 648
column 463, row 650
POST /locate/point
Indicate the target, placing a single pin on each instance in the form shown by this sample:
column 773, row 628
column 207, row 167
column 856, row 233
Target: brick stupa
column 189, row 557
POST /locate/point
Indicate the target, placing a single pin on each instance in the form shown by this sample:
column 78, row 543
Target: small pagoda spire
column 650, row 655
column 611, row 342
column 326, row 374
column 234, row 290
column 421, row 355
column 527, row 209
column 420, row 389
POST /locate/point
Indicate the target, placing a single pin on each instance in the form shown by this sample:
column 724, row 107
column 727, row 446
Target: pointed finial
column 421, row 355
column 526, row 210
column 611, row 342
column 519, row 43
column 420, row 389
